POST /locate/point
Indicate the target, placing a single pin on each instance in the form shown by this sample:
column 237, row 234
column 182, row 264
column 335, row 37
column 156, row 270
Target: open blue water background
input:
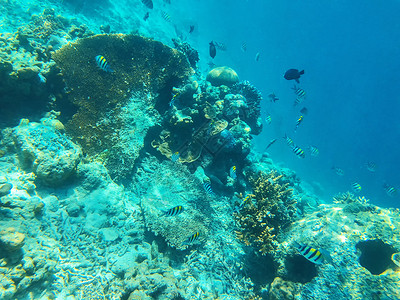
column 350, row 52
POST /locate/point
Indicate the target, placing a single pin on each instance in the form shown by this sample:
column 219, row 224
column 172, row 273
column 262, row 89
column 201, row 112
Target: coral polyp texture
column 269, row 210
column 114, row 110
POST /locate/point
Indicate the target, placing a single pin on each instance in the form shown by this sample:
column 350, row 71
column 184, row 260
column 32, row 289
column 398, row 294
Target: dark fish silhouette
column 293, row 74
column 213, row 50
column 270, row 144
column 304, row 110
column 191, row 28
column 146, row 16
column 148, row 3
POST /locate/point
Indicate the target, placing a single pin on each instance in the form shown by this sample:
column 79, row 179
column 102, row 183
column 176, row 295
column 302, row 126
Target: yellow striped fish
column 194, row 237
column 174, row 211
column 356, row 187
column 315, row 256
column 103, row 64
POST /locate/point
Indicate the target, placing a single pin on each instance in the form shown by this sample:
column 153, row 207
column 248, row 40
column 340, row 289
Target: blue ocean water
column 350, row 56
column 174, row 229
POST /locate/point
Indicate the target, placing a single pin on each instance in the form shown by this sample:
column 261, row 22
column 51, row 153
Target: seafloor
column 120, row 185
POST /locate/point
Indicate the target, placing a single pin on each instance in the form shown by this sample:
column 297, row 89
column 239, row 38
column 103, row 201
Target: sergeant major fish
column 390, row 190
column 315, row 256
column 300, row 95
column 148, row 3
column 194, row 237
column 298, row 122
column 298, row 151
column 288, row 140
column 208, row 189
column 232, row 172
column 174, row 211
column 103, row 64
column 314, row 151
column 356, row 187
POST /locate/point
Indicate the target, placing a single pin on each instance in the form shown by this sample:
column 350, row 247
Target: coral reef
column 28, row 86
column 115, row 110
column 191, row 54
column 205, row 125
column 46, row 152
column 253, row 99
column 262, row 217
column 167, row 185
column 360, row 242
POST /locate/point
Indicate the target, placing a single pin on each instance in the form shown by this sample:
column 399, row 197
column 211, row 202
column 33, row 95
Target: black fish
column 213, row 50
column 146, row 16
column 293, row 74
column 191, row 28
column 148, row 3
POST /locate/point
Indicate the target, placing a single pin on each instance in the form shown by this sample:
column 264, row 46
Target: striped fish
column 232, row 172
column 148, row 3
column 175, row 156
column 268, row 119
column 174, row 211
column 314, row 151
column 356, row 187
column 194, row 237
column 166, row 16
column 390, row 190
column 312, row 254
column 298, row 151
column 208, row 189
column 371, row 166
column 300, row 94
column 103, row 64
column 289, row 141
column 243, row 47
column 298, row 122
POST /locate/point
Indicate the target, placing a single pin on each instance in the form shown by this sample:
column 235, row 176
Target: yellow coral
column 261, row 220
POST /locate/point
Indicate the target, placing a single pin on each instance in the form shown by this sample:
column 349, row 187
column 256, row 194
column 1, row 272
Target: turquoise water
column 135, row 163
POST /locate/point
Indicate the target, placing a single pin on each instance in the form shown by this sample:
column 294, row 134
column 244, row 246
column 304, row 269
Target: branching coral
column 262, row 217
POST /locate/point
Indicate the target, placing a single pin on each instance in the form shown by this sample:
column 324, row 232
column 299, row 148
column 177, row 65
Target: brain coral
column 222, row 76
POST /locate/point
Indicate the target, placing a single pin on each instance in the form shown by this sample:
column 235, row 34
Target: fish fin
column 301, row 72
column 326, row 256
column 297, row 80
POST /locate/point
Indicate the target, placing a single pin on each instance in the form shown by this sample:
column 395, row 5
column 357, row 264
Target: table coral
column 105, row 101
